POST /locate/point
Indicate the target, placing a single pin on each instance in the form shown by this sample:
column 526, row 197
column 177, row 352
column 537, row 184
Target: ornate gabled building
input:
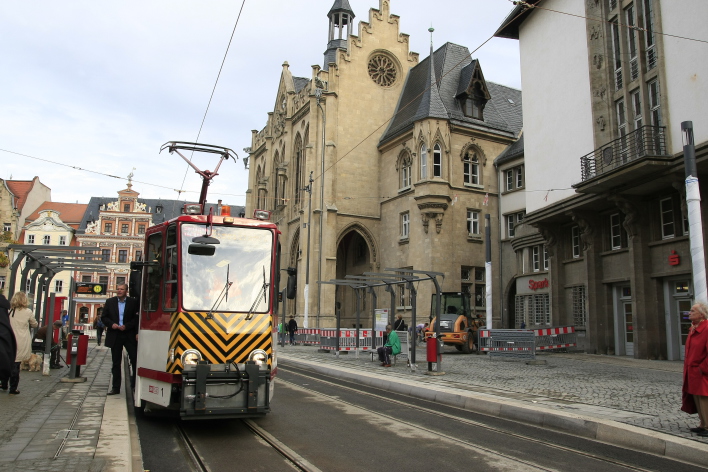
column 400, row 153
column 53, row 224
column 18, row 199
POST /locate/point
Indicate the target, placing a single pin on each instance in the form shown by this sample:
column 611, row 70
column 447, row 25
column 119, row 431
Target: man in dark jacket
column 120, row 317
column 8, row 346
column 292, row 329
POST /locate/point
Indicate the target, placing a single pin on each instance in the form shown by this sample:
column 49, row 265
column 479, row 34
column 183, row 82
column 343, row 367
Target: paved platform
column 60, row 426
column 624, row 401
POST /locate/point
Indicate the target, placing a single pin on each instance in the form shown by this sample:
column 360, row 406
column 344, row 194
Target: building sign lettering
column 674, row 259
column 535, row 285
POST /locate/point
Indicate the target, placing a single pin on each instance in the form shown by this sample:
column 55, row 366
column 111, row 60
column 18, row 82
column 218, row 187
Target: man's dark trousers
column 123, row 340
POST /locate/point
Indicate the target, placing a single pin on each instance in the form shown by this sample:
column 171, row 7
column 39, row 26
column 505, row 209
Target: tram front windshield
column 242, row 258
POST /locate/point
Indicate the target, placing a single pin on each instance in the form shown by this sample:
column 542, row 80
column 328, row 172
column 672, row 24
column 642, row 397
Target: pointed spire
column 431, row 105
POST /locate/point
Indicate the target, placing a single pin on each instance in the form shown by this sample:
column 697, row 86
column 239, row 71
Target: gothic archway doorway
column 353, row 258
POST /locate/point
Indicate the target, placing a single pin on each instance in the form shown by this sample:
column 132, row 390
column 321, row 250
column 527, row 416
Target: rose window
column 382, row 70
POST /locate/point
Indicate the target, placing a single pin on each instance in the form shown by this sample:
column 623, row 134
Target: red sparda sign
column 535, row 285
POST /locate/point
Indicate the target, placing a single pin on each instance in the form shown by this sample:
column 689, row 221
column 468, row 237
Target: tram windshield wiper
column 223, row 295
column 261, row 294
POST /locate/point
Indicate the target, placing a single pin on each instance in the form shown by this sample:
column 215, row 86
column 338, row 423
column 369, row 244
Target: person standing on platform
column 8, row 346
column 21, row 319
column 292, row 329
column 695, row 368
column 99, row 327
column 120, row 317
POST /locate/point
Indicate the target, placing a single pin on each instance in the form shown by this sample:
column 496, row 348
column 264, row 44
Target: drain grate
column 67, row 434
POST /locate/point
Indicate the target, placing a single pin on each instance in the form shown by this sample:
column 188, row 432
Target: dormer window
column 158, row 209
column 473, row 103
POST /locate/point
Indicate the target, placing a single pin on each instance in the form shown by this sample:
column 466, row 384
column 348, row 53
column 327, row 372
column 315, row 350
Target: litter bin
column 432, row 349
column 77, row 346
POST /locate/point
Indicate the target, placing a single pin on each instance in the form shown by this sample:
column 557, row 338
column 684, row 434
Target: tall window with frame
column 470, row 168
column 509, row 179
column 169, row 303
column 405, row 171
column 622, row 128
column 545, row 257
column 632, row 42
column 578, row 300
column 575, row 241
column 616, row 232
column 423, row 162
column 405, row 225
column 666, row 209
column 106, row 255
column 30, row 239
column 122, row 256
column 617, row 56
column 649, row 34
column 276, row 182
column 473, row 223
column 654, row 103
column 47, row 240
column 519, row 176
column 58, row 286
column 536, row 258
column 62, row 240
column 437, row 161
column 299, row 182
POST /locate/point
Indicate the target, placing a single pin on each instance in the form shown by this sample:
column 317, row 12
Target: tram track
column 199, row 464
column 387, row 398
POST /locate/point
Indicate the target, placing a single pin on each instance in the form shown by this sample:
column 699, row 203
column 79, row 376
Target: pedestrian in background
column 99, row 327
column 399, row 324
column 8, row 347
column 21, row 319
column 695, row 368
column 281, row 332
column 292, row 329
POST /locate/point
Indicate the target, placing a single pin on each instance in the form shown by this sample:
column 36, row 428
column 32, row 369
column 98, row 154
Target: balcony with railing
column 623, row 160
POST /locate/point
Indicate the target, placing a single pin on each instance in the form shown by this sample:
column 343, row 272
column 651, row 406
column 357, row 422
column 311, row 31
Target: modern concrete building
column 607, row 84
column 400, row 151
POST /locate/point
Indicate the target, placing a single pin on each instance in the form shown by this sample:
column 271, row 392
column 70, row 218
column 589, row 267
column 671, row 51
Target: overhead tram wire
column 602, row 20
column 213, row 90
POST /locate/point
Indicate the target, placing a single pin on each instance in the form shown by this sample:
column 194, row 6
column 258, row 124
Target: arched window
column 277, row 200
column 405, row 166
column 423, row 162
column 299, row 170
column 437, row 161
column 470, row 169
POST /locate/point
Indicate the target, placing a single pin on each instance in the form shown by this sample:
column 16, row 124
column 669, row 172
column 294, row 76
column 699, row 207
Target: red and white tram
column 209, row 292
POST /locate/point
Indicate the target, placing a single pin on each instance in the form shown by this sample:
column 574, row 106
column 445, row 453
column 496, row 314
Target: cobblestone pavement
column 638, row 392
column 52, row 425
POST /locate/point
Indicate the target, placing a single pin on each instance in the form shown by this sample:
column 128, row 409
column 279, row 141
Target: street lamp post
column 693, row 204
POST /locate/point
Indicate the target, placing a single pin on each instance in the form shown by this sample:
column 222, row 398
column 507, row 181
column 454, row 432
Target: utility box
column 77, row 345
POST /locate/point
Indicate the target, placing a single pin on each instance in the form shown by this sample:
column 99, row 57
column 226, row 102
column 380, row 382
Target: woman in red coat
column 695, row 368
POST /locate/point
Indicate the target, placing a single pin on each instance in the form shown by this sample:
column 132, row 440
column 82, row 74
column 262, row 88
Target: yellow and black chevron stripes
column 225, row 337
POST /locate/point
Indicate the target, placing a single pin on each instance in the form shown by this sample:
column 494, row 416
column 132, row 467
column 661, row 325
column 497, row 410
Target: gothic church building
column 391, row 160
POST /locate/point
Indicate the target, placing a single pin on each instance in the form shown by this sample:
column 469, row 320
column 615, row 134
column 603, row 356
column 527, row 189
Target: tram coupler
column 200, row 388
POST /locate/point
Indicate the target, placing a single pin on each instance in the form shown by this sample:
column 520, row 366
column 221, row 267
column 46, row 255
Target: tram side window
column 154, row 272
column 170, row 300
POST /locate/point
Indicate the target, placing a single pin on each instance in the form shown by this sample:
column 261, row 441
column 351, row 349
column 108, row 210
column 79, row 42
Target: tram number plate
column 155, row 391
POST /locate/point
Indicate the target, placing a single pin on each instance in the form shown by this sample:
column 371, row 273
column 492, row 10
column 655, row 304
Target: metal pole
column 318, row 93
column 414, row 309
column 48, row 335
column 488, row 268
column 307, row 265
column 359, row 294
column 282, row 315
column 374, row 302
column 693, row 203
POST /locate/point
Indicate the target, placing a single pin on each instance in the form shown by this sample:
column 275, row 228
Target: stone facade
column 396, row 162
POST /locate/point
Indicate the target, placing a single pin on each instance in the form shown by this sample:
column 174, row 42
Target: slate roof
column 513, row 151
column 300, row 83
column 452, row 66
column 170, row 209
column 341, row 5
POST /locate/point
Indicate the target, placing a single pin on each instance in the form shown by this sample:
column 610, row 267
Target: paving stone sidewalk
column 53, row 425
column 642, row 393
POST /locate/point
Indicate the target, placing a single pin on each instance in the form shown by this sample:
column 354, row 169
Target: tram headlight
column 259, row 356
column 191, row 357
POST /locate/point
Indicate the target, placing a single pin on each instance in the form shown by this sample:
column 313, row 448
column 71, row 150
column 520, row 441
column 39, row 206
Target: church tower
column 340, row 20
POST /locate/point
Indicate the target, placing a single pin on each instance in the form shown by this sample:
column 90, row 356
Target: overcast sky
column 101, row 85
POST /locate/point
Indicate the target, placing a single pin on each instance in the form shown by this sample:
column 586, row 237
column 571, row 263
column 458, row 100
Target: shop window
column 579, row 297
